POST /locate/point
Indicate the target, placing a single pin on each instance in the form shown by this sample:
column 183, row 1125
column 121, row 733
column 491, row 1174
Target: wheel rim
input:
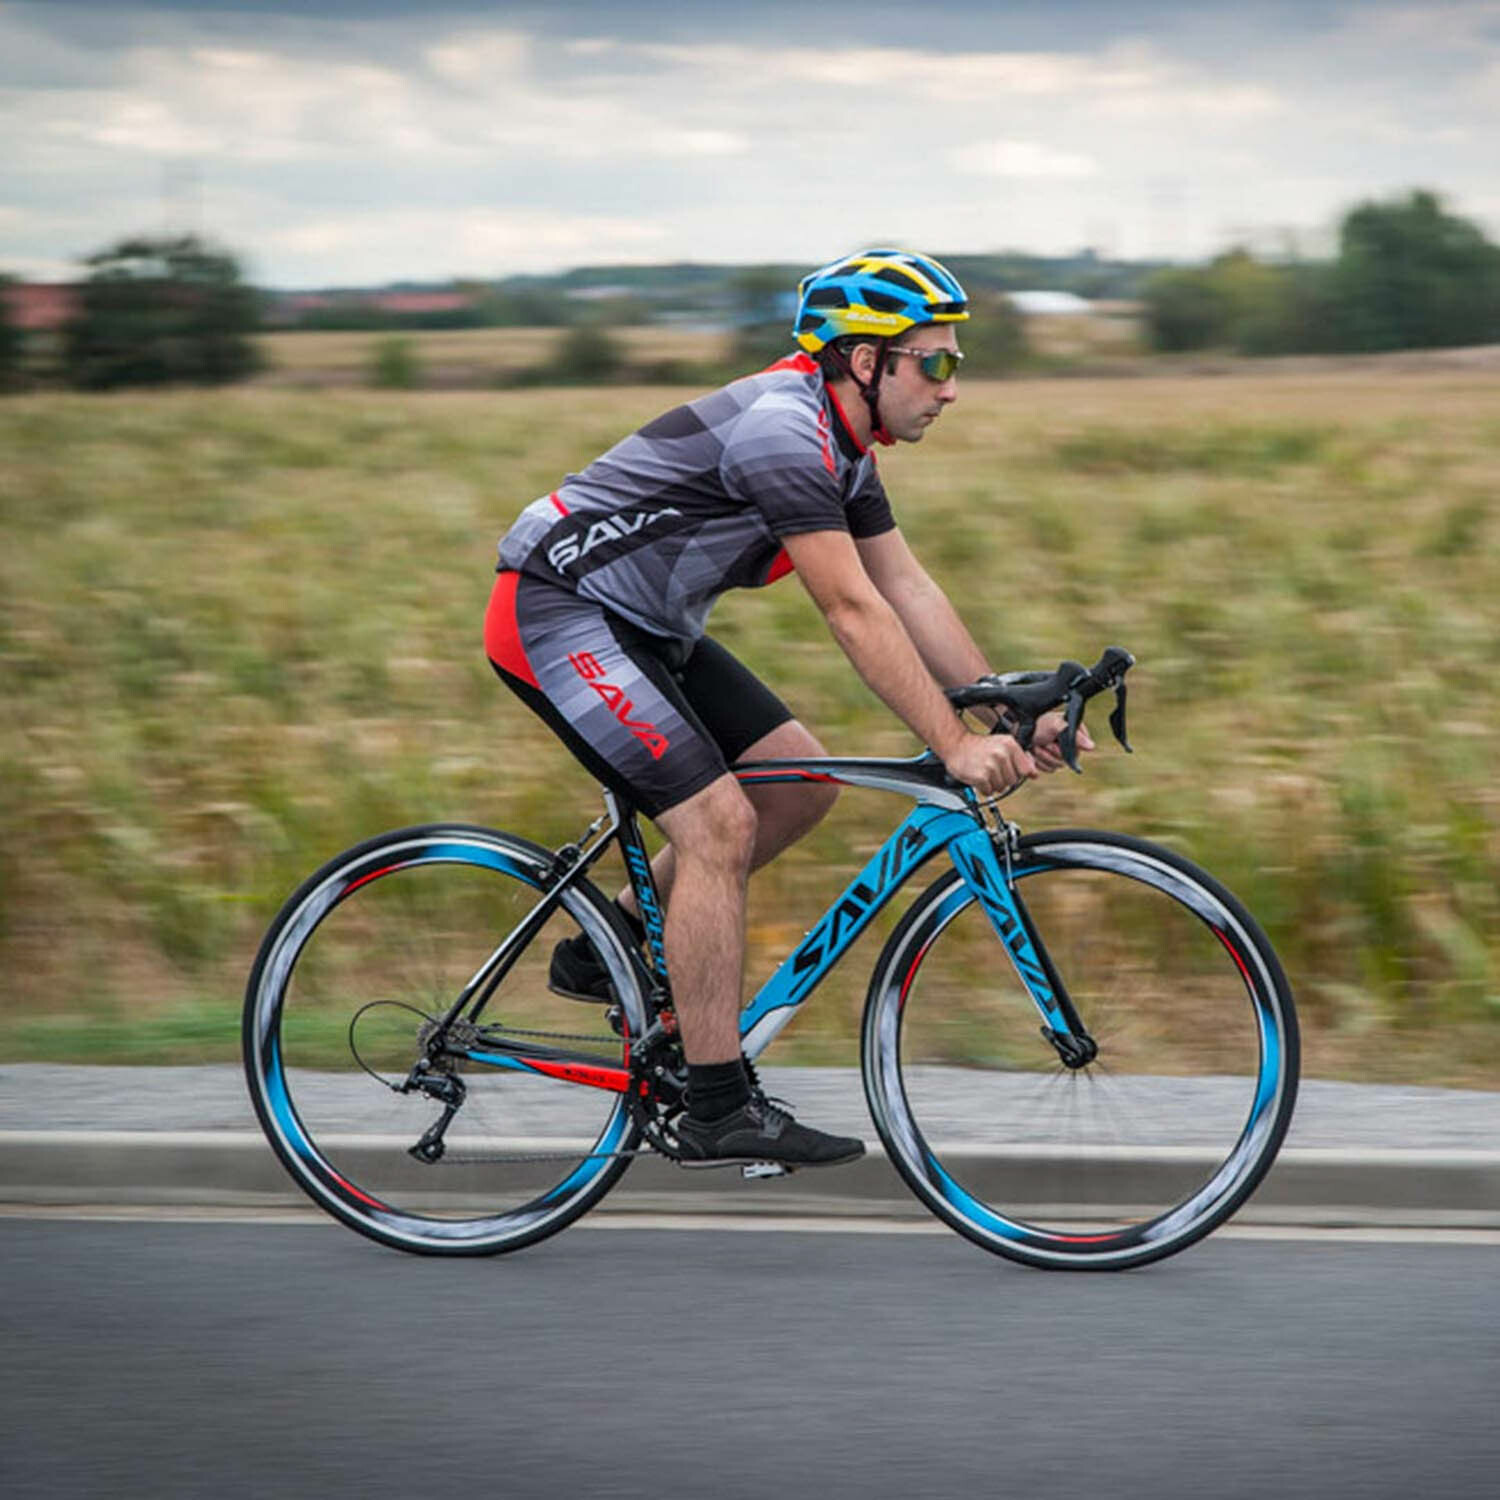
column 376, row 946
column 1132, row 1157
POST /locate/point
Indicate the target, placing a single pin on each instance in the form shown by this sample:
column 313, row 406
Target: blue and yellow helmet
column 877, row 294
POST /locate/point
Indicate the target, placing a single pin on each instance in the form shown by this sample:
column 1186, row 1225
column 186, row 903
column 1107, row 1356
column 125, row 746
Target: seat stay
column 925, row 831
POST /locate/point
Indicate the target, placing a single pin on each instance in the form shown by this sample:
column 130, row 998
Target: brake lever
column 1068, row 741
column 1117, row 718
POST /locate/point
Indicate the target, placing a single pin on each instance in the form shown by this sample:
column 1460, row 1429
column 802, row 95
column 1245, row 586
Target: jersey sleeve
column 869, row 508
column 780, row 458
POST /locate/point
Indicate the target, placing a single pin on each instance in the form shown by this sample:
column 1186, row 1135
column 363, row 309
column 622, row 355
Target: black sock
column 716, row 1089
column 634, row 923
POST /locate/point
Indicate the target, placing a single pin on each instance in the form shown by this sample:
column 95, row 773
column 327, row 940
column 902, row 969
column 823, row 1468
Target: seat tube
column 648, row 899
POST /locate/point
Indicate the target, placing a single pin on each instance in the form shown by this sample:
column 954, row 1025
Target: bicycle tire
column 1145, row 1150
column 379, row 939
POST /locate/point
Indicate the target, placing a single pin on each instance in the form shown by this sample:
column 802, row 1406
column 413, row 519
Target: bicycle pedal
column 751, row 1170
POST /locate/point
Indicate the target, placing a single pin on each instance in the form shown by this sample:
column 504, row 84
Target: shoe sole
column 582, row 995
column 756, row 1161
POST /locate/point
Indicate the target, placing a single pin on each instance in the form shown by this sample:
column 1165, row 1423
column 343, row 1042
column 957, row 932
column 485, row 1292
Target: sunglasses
column 937, row 365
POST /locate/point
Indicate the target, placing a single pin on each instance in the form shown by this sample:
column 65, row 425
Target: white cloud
column 363, row 146
column 480, row 60
column 1021, row 159
column 474, row 242
column 1460, row 25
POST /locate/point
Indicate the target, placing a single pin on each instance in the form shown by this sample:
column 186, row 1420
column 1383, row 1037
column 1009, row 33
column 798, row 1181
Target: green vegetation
column 395, row 364
column 1408, row 275
column 12, row 342
column 161, row 312
column 240, row 630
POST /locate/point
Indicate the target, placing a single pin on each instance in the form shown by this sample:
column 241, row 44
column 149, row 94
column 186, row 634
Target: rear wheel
column 358, row 966
column 1137, row 1153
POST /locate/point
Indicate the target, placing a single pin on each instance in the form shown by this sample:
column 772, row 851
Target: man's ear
column 862, row 361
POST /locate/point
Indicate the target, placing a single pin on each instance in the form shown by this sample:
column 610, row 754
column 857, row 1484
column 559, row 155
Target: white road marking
column 735, row 1223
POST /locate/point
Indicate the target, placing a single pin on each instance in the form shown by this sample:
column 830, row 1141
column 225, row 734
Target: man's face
column 910, row 402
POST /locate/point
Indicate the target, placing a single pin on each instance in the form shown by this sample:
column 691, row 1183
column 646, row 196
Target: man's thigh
column 614, row 704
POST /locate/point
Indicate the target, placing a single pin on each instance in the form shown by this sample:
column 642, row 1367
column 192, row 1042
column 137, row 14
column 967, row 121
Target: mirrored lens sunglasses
column 937, row 365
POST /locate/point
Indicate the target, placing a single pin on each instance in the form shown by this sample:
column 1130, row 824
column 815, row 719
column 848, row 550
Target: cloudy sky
column 360, row 141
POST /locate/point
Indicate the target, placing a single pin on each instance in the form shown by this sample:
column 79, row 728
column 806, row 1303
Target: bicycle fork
column 986, row 862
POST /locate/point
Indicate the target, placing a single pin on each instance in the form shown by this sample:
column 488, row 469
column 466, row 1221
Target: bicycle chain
column 541, row 1156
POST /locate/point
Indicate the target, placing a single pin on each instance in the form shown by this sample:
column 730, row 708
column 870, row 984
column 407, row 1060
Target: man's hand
column 1044, row 747
column 990, row 763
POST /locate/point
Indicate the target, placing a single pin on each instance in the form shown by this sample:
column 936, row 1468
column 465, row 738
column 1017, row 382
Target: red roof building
column 39, row 307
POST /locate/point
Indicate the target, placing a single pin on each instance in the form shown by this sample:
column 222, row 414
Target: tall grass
column 239, row 631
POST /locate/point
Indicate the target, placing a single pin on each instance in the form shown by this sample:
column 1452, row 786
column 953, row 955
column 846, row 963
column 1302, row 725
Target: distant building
column 419, row 302
column 1049, row 304
column 288, row 309
column 40, row 306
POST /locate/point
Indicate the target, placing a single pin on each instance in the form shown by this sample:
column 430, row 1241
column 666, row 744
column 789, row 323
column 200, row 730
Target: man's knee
column 716, row 825
column 795, row 806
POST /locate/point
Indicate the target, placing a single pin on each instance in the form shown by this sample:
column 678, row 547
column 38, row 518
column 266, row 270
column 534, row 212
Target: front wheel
column 1133, row 1155
column 357, row 968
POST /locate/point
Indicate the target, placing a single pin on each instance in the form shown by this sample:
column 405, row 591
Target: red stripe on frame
column 616, row 1079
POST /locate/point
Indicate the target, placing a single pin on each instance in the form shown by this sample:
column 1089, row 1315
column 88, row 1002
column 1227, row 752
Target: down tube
column 974, row 857
column 925, row 831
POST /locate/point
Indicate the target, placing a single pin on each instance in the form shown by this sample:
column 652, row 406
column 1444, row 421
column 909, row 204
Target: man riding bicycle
column 597, row 624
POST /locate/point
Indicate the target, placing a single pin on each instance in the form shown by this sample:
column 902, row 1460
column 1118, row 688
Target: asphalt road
column 221, row 1360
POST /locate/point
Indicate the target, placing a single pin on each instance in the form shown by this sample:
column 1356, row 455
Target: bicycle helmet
column 877, row 294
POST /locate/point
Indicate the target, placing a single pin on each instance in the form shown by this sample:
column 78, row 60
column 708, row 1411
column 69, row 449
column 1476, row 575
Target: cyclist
column 597, row 624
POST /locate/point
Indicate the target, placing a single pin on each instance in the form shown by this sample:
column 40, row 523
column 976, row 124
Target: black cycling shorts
column 653, row 718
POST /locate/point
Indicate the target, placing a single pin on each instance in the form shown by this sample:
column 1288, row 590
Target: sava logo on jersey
column 576, row 544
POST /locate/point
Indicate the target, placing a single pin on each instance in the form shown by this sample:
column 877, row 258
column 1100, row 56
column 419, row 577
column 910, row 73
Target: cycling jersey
column 597, row 617
column 700, row 500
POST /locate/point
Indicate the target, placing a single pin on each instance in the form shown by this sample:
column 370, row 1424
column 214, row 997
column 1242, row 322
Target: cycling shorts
column 653, row 718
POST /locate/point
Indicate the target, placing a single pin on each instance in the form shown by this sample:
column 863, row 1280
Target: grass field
column 464, row 358
column 240, row 630
column 481, row 358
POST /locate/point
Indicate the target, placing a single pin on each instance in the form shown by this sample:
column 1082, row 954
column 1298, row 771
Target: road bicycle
column 1078, row 1049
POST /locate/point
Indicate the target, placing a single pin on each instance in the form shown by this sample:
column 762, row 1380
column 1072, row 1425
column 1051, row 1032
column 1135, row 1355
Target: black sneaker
column 577, row 973
column 761, row 1131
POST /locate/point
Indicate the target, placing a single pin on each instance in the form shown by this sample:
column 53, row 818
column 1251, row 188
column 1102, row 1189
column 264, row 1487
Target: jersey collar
column 850, row 445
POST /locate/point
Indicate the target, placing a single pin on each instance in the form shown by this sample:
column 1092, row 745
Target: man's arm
column 873, row 637
column 924, row 609
column 941, row 638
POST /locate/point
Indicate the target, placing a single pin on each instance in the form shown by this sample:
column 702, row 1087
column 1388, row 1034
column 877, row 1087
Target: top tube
column 923, row 777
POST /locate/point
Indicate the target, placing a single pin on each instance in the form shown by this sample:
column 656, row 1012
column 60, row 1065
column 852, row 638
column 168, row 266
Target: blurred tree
column 763, row 309
column 994, row 338
column 524, row 305
column 1410, row 275
column 587, row 354
column 1185, row 309
column 1242, row 303
column 12, row 342
column 395, row 365
column 160, row 311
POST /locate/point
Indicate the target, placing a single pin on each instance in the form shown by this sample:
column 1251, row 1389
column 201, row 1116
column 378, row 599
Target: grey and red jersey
column 700, row 500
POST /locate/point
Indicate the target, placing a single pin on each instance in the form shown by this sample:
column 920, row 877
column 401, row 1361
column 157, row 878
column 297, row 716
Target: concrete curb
column 1394, row 1188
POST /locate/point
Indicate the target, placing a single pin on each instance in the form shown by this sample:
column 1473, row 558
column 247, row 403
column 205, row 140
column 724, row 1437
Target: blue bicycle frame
column 947, row 817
